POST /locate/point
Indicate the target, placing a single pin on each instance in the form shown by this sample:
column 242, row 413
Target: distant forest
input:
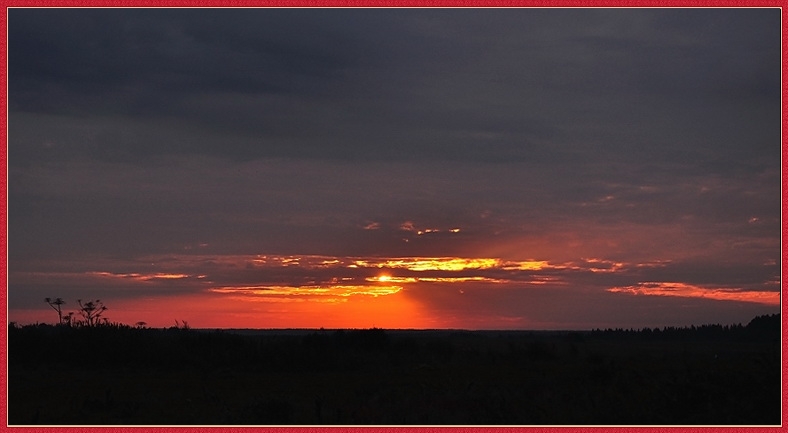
column 115, row 374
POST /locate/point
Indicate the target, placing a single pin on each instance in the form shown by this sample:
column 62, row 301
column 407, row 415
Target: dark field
column 115, row 374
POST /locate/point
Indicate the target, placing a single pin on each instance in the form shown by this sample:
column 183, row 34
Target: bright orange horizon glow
column 238, row 309
column 692, row 291
column 303, row 291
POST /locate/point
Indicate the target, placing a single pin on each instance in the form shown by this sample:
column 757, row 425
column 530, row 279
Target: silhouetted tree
column 55, row 304
column 91, row 311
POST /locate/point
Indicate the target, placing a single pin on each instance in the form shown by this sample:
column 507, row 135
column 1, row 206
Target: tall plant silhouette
column 55, row 304
column 91, row 311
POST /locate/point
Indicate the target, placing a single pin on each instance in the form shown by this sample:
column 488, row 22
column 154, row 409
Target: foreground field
column 128, row 376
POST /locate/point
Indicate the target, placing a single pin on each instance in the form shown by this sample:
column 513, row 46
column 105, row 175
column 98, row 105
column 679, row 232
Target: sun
column 384, row 278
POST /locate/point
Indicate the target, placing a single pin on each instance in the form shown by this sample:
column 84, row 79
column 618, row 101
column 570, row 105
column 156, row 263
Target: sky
column 395, row 168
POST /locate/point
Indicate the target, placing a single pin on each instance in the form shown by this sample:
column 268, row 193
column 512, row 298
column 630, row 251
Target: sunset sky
column 396, row 168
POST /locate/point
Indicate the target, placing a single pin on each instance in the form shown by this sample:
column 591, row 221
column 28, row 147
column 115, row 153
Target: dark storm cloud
column 263, row 72
column 166, row 53
column 496, row 85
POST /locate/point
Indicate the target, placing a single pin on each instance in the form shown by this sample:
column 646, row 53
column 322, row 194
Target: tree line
column 767, row 326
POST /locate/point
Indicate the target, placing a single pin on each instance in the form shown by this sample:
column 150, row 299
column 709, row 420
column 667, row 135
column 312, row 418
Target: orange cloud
column 138, row 276
column 449, row 264
column 310, row 291
column 407, row 280
column 692, row 291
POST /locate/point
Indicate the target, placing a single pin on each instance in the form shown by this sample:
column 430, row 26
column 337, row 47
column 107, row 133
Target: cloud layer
column 634, row 151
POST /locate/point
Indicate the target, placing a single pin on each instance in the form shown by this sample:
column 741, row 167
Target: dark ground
column 115, row 374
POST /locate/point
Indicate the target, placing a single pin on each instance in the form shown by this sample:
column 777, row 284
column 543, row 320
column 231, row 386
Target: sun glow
column 323, row 290
column 212, row 309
